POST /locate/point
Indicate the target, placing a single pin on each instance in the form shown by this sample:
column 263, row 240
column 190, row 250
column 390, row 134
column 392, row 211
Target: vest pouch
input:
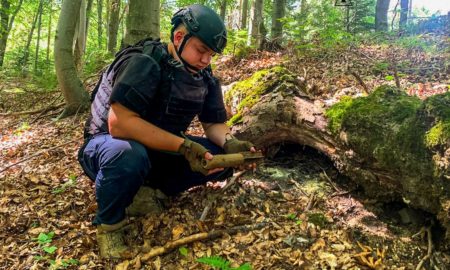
column 187, row 94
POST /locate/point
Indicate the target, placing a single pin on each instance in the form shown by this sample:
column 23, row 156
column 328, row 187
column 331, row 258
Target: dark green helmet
column 203, row 23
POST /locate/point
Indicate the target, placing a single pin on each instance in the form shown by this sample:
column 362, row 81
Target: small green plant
column 222, row 264
column 389, row 78
column 23, row 127
column 293, row 216
column 44, row 240
column 183, row 251
column 71, row 183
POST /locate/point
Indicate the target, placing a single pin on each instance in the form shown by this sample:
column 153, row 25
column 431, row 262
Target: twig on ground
column 199, row 237
column 360, row 81
column 311, row 202
column 36, row 154
column 297, row 185
column 213, row 198
column 46, row 109
column 330, row 181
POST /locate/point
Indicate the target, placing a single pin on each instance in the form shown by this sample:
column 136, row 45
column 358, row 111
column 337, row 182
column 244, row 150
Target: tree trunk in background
column 303, row 9
column 39, row 26
column 49, row 30
column 244, row 14
column 403, row 13
column 80, row 36
column 381, row 18
column 142, row 20
column 279, row 11
column 223, row 9
column 76, row 98
column 113, row 25
column 99, row 23
column 410, row 8
column 26, row 53
column 256, row 21
column 4, row 31
column 88, row 16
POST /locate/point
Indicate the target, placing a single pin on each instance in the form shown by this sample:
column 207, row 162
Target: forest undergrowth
column 294, row 212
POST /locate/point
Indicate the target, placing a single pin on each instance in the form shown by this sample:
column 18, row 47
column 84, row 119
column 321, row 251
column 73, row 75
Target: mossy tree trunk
column 395, row 146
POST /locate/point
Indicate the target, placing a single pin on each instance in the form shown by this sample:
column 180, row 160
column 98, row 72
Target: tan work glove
column 194, row 154
column 234, row 145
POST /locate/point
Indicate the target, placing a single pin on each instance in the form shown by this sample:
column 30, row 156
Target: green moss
column 438, row 134
column 250, row 91
column 384, row 129
column 317, row 219
column 335, row 113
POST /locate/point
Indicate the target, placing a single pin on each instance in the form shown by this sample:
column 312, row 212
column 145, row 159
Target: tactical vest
column 173, row 108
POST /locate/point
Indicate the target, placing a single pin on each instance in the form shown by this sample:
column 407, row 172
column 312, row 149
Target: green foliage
column 293, row 216
column 237, row 43
column 183, row 251
column 45, row 238
column 222, row 264
column 71, row 183
column 416, row 42
column 389, row 78
column 380, row 67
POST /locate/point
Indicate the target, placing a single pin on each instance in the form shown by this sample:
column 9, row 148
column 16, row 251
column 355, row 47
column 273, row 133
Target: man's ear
column 178, row 37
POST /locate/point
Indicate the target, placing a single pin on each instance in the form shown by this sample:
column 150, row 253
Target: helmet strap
column 180, row 50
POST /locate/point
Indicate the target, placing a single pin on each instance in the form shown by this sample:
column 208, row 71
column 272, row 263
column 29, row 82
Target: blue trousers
column 119, row 168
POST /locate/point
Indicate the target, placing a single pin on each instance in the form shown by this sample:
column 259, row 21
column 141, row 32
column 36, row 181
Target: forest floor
column 294, row 212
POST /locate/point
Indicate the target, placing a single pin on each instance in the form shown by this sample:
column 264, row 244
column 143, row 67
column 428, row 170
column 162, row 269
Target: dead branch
column 360, row 81
column 330, row 181
column 35, row 155
column 311, row 202
column 199, row 237
column 214, row 197
column 46, row 109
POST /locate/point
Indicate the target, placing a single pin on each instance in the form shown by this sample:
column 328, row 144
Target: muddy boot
column 147, row 201
column 110, row 239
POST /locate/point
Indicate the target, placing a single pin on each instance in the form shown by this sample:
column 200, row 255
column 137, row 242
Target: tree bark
column 39, row 26
column 80, row 36
column 381, row 12
column 50, row 15
column 26, row 52
column 88, row 19
column 113, row 25
column 76, row 98
column 387, row 149
column 223, row 9
column 4, row 20
column 142, row 20
column 279, row 11
column 403, row 13
column 100, row 23
column 256, row 22
column 244, row 14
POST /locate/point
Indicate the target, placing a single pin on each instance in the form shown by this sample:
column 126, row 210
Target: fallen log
column 397, row 147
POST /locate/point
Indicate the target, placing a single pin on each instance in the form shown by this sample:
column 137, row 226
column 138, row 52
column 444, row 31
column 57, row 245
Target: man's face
column 195, row 52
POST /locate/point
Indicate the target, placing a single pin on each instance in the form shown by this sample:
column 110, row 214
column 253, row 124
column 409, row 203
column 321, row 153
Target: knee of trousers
column 125, row 159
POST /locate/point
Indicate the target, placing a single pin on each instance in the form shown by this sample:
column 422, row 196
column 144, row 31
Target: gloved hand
column 234, row 145
column 194, row 154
